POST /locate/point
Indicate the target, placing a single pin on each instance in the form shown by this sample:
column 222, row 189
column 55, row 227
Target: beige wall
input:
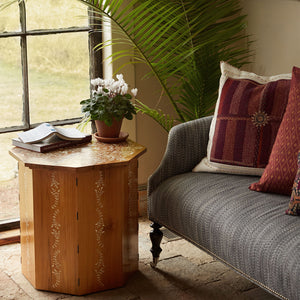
column 146, row 131
column 274, row 26
column 150, row 133
column 143, row 129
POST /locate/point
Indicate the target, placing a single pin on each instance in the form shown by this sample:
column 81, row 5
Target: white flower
column 124, row 89
column 108, row 82
column 96, row 81
column 134, row 92
column 115, row 87
column 119, row 77
column 100, row 90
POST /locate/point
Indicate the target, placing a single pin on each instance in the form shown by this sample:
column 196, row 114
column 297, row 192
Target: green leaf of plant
column 182, row 43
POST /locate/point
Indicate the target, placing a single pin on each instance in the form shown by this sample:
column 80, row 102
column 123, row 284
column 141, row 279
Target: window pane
column 9, row 18
column 9, row 199
column 10, row 82
column 58, row 75
column 8, row 165
column 9, row 196
column 50, row 14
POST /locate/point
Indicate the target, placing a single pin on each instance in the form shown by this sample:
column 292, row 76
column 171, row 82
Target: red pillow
column 279, row 175
column 249, row 116
column 294, row 205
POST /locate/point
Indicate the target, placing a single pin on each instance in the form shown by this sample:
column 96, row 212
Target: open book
column 47, row 130
column 50, row 144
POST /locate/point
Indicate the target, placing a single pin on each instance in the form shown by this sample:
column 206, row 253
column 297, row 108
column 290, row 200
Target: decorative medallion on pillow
column 281, row 170
column 248, row 113
column 294, row 206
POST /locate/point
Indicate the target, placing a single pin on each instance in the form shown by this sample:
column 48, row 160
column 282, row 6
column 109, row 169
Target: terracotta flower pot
column 112, row 131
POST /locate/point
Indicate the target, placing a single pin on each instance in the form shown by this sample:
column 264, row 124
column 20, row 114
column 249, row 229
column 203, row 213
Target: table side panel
column 101, row 200
column 130, row 241
column 55, row 226
column 27, row 223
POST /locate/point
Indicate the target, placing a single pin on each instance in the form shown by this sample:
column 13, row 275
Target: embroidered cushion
column 248, row 113
column 280, row 172
column 294, row 206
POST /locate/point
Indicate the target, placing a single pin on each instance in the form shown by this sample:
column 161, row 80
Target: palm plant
column 182, row 43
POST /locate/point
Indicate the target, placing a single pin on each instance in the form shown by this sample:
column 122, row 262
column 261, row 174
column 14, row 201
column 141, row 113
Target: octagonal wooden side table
column 79, row 216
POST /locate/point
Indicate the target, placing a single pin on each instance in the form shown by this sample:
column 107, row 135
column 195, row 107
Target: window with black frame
column 46, row 62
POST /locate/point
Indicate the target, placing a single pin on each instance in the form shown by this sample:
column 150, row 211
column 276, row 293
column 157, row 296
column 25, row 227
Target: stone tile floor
column 184, row 272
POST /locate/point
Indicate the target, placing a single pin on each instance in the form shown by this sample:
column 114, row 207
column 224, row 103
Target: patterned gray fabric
column 187, row 145
column 247, row 229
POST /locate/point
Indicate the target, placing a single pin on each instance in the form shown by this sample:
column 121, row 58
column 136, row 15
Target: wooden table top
column 83, row 156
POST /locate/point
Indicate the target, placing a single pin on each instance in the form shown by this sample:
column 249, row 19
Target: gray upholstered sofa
column 247, row 230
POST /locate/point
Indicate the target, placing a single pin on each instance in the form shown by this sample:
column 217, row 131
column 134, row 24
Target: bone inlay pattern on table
column 99, row 227
column 55, row 231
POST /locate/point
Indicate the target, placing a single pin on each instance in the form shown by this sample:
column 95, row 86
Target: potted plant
column 109, row 104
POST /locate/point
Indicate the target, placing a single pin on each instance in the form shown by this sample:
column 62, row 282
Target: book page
column 69, row 133
column 37, row 134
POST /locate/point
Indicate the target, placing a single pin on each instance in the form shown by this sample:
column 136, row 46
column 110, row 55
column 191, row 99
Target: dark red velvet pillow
column 279, row 175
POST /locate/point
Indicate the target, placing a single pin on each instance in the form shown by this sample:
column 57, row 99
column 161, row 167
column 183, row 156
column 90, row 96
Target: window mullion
column 24, row 61
column 96, row 57
column 95, row 38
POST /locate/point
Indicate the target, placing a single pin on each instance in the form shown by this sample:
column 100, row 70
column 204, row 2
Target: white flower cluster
column 114, row 87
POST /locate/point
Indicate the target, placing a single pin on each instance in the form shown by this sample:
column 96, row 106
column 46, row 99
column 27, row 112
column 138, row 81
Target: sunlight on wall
column 107, row 51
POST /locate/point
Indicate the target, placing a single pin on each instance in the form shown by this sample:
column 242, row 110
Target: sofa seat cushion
column 247, row 229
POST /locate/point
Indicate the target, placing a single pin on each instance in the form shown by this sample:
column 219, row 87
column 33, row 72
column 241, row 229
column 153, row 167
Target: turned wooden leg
column 156, row 237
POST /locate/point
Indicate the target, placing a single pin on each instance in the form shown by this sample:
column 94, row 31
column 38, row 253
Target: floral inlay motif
column 99, row 228
column 260, row 119
column 55, row 231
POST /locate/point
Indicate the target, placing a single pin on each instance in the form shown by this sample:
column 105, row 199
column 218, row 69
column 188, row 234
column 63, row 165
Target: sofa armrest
column 187, row 145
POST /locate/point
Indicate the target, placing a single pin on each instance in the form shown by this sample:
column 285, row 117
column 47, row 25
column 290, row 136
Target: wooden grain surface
column 79, row 227
column 84, row 156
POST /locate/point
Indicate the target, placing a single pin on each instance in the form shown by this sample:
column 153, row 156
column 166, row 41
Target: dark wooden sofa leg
column 156, row 237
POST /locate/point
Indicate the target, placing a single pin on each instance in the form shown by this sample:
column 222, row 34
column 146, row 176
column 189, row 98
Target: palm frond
column 198, row 93
column 164, row 120
column 182, row 42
